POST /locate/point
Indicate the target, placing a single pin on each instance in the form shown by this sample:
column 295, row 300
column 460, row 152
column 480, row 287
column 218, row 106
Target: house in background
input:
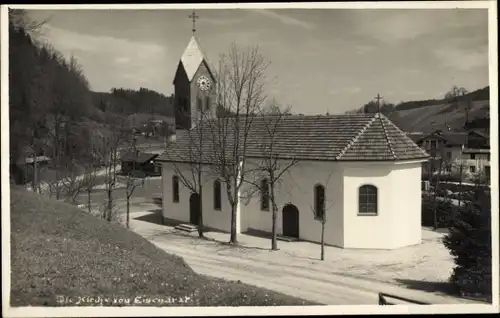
column 22, row 169
column 468, row 150
column 139, row 161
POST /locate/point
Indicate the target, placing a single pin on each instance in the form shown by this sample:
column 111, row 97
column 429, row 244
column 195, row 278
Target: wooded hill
column 129, row 102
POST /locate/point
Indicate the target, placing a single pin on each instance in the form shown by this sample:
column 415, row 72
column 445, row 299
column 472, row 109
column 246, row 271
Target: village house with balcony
column 468, row 151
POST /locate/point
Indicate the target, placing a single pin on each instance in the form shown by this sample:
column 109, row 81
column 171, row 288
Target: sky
column 321, row 60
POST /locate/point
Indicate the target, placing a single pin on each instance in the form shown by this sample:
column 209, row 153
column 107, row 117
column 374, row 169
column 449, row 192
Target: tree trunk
column 128, row 211
column 57, row 158
column 274, row 241
column 233, row 239
column 89, row 200
column 436, row 189
column 110, row 205
column 323, row 239
column 460, row 185
column 58, row 193
column 200, row 204
column 35, row 177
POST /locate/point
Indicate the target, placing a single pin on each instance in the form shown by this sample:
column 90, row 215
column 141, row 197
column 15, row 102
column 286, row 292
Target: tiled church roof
column 354, row 137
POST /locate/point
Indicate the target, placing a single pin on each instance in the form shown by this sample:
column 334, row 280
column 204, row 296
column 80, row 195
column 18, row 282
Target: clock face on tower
column 204, row 83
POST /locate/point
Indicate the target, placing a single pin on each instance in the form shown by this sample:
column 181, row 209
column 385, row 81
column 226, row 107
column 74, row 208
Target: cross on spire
column 193, row 17
column 378, row 98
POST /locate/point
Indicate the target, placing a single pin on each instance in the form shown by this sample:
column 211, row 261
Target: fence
column 382, row 300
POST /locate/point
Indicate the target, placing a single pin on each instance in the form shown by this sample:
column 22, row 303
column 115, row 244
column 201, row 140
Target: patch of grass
column 58, row 250
column 432, row 117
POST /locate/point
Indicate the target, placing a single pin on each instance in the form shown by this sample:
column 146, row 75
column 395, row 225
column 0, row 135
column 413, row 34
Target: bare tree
column 133, row 179
column 240, row 81
column 437, row 192
column 322, row 204
column 117, row 136
column 458, row 166
column 479, row 177
column 89, row 182
column 274, row 163
column 72, row 181
column 35, row 145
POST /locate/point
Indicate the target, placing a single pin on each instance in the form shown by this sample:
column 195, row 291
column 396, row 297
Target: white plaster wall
column 456, row 153
column 368, row 231
column 397, row 222
column 406, row 204
column 297, row 187
column 220, row 220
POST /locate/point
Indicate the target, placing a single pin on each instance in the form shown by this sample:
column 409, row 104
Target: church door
column 290, row 217
column 194, row 209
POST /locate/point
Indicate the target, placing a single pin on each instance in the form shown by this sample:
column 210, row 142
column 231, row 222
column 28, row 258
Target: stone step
column 286, row 238
column 187, row 227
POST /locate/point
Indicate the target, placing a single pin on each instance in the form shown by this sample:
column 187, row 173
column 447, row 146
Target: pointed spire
column 192, row 57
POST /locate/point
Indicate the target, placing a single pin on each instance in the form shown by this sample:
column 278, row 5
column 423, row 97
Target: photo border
column 252, row 311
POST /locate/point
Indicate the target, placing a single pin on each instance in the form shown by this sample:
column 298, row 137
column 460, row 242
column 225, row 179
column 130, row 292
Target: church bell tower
column 194, row 85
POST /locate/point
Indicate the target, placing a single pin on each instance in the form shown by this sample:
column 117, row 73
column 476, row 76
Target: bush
column 444, row 211
column 469, row 242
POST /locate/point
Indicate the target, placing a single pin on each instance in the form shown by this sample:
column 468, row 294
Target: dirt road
column 282, row 271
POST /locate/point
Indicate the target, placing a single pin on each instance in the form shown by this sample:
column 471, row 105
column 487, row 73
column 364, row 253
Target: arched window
column 217, row 195
column 175, row 188
column 207, row 103
column 319, row 201
column 264, row 195
column 368, row 199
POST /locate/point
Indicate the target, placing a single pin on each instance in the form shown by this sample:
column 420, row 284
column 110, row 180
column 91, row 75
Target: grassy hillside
column 477, row 95
column 57, row 249
column 432, row 114
column 432, row 117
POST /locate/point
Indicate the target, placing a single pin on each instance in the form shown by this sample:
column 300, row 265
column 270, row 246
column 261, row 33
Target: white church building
column 359, row 171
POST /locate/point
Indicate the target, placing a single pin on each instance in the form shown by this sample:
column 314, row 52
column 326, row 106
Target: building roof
column 30, row 160
column 480, row 133
column 192, row 58
column 354, row 137
column 455, row 138
column 415, row 136
column 142, row 157
column 450, row 138
column 476, row 150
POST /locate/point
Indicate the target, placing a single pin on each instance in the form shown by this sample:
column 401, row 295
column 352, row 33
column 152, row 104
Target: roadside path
column 277, row 271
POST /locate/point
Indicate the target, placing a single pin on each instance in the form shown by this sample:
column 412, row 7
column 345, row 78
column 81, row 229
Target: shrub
column 444, row 211
column 469, row 242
